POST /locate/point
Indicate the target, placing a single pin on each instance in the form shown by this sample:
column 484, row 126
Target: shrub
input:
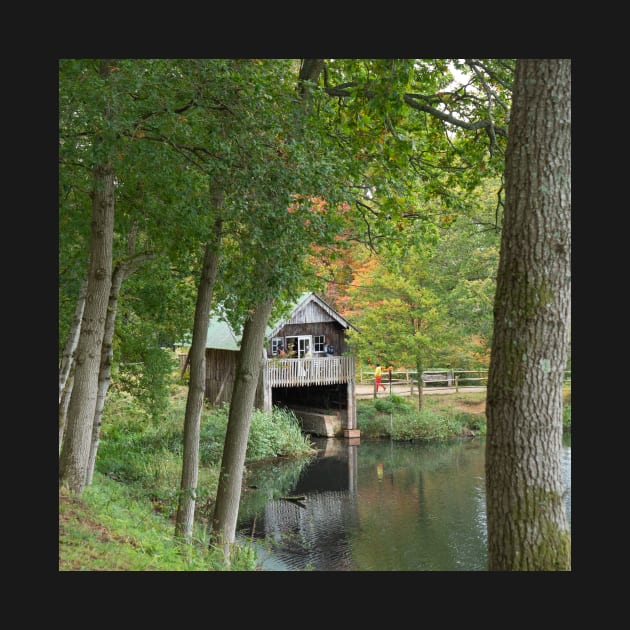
column 275, row 435
column 398, row 418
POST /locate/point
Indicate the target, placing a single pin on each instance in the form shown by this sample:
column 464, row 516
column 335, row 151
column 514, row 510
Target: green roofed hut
column 306, row 367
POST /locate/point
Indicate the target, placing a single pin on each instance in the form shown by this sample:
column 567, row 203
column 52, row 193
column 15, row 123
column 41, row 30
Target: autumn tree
column 527, row 524
column 400, row 319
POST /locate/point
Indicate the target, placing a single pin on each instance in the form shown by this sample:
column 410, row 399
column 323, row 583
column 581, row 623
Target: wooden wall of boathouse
column 334, row 334
column 220, row 375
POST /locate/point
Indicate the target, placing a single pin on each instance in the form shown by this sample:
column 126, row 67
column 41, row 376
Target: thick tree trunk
column 197, row 383
column 76, row 444
column 231, row 474
column 67, row 356
column 527, row 524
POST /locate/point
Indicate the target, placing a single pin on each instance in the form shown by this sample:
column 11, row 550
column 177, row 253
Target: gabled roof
column 221, row 335
column 301, row 302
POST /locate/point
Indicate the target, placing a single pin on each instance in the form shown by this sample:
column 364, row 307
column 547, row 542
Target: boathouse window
column 320, row 343
column 276, row 342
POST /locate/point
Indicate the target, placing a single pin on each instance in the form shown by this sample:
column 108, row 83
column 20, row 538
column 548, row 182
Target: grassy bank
column 442, row 417
column 125, row 520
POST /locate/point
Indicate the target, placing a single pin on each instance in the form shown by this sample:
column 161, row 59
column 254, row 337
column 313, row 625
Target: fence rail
column 435, row 378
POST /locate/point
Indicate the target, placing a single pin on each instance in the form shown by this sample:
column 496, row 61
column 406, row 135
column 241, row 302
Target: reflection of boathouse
column 306, row 367
column 330, row 496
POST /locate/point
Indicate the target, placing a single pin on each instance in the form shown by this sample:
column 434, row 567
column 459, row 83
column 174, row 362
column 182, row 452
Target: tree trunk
column 104, row 375
column 527, row 523
column 123, row 270
column 76, row 444
column 63, row 407
column 231, row 474
column 419, row 370
column 67, row 356
column 246, row 379
column 197, row 383
column 75, row 450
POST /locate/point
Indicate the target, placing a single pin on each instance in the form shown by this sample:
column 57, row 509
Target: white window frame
column 319, row 343
column 275, row 342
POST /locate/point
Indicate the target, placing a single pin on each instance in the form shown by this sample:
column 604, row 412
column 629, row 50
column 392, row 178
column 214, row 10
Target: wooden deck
column 311, row 371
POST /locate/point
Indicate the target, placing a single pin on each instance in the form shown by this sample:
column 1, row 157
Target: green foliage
column 150, row 380
column 391, row 404
column 399, row 419
column 566, row 408
column 425, row 425
column 474, row 421
column 429, row 303
column 145, row 452
column 276, row 435
column 177, row 128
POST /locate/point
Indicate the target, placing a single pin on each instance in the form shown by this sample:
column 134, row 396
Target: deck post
column 351, row 430
column 266, row 386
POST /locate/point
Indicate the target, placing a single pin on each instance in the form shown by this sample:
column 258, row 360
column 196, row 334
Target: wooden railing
column 311, row 371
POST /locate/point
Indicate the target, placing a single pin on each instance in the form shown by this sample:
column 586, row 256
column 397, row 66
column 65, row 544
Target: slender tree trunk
column 231, row 474
column 197, row 383
column 123, row 270
column 104, row 375
column 527, row 523
column 63, row 407
column 76, row 444
column 419, row 370
column 67, row 356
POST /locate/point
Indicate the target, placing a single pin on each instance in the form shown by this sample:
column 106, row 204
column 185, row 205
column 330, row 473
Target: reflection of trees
column 425, row 456
column 314, row 535
column 271, row 481
column 421, row 515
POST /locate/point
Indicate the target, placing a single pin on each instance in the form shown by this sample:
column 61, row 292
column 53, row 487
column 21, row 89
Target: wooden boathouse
column 306, row 367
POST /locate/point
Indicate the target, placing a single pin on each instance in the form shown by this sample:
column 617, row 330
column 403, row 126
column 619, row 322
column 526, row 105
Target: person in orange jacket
column 378, row 374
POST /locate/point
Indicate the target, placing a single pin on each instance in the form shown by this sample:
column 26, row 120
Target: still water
column 375, row 506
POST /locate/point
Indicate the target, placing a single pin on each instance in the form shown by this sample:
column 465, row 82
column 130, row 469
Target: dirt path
column 367, row 390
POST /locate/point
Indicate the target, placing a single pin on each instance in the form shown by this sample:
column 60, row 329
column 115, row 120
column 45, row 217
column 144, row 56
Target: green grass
column 441, row 417
column 109, row 529
column 148, row 454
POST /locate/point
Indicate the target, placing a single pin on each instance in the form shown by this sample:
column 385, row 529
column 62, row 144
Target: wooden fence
column 459, row 379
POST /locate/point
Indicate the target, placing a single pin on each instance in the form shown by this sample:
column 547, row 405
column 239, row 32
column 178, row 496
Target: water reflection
column 378, row 506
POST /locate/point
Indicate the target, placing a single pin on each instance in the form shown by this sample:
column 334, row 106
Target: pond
column 373, row 506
